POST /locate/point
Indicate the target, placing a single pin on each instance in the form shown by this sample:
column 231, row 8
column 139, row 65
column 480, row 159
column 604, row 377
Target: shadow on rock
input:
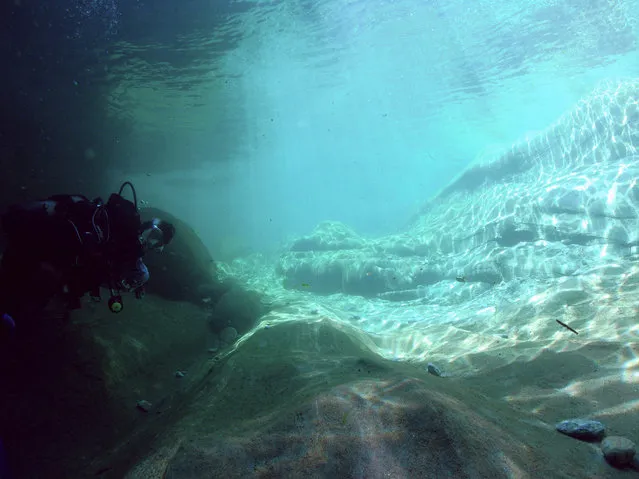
column 313, row 400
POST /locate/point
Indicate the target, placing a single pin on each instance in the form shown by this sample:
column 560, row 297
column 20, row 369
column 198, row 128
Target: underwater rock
column 214, row 344
column 484, row 272
column 618, row 450
column 512, row 234
column 228, row 335
column 357, row 272
column 398, row 296
column 237, row 308
column 583, row 429
column 211, row 292
column 329, row 236
column 179, row 272
column 434, row 370
column 143, row 405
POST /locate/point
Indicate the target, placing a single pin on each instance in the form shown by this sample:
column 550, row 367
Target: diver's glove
column 139, row 292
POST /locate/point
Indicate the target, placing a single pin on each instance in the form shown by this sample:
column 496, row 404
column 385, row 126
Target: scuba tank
column 124, row 243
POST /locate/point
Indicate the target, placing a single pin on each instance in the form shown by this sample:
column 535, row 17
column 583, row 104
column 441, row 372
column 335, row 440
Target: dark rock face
column 185, row 265
column 584, row 429
column 238, row 309
column 618, row 451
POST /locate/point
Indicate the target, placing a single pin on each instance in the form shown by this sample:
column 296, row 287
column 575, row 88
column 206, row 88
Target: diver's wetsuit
column 68, row 245
column 4, row 468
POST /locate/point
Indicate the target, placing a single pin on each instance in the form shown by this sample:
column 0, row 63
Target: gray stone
column 228, row 335
column 144, row 405
column 434, row 370
column 214, row 345
column 583, row 429
column 239, row 308
column 618, row 450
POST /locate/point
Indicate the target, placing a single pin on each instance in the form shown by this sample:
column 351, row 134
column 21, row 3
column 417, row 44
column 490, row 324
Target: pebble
column 228, row 335
column 583, row 429
column 618, row 450
column 144, row 405
column 434, row 370
column 214, row 344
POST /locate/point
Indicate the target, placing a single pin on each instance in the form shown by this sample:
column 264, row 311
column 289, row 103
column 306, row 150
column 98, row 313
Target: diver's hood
column 152, row 236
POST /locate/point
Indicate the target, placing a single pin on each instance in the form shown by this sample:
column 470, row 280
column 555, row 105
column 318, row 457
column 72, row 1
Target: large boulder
column 238, row 309
column 185, row 270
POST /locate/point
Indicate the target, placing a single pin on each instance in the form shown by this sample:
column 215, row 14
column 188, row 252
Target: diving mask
column 152, row 236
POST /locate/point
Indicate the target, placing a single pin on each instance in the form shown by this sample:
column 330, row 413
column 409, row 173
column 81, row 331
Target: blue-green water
column 423, row 220
column 359, row 112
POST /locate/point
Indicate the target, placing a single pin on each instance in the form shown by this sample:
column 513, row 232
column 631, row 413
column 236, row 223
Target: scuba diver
column 67, row 246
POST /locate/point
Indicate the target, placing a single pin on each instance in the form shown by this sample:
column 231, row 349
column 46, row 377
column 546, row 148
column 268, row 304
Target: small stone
column 618, row 450
column 180, row 374
column 228, row 335
column 144, row 405
column 583, row 429
column 214, row 345
column 434, row 370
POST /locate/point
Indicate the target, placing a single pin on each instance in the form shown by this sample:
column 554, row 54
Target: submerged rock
column 144, row 405
column 238, row 308
column 228, row 335
column 434, row 370
column 583, row 429
column 618, row 450
column 184, row 265
column 329, row 236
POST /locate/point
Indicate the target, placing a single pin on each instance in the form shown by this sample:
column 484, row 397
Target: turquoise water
column 423, row 220
column 361, row 111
